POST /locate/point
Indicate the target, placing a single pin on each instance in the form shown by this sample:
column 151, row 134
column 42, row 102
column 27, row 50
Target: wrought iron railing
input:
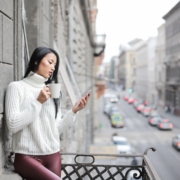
column 91, row 170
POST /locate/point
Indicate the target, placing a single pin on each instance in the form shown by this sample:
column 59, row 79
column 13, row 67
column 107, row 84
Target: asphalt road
column 166, row 160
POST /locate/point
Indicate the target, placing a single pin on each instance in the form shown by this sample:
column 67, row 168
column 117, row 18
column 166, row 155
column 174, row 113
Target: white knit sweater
column 34, row 127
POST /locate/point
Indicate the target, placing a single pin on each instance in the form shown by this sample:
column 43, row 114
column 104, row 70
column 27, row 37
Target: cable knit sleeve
column 65, row 122
column 18, row 118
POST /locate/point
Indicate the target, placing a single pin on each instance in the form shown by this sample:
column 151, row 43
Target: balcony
column 91, row 169
column 99, row 44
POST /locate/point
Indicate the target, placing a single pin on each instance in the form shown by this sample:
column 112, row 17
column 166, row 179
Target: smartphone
column 88, row 94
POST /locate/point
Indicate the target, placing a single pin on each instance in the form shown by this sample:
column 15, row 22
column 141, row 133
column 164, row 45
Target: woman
column 35, row 120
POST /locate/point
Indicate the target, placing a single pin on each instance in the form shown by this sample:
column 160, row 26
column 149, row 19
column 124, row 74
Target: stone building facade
column 172, row 60
column 151, row 58
column 160, row 66
column 127, row 66
column 130, row 73
column 125, row 69
column 141, row 69
column 66, row 27
column 121, row 70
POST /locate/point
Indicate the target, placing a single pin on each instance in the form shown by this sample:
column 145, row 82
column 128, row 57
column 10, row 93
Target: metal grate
column 94, row 171
column 100, row 172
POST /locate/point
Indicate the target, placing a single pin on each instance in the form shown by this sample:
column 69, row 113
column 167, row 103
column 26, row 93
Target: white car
column 176, row 142
column 123, row 146
column 131, row 173
column 107, row 108
column 109, row 97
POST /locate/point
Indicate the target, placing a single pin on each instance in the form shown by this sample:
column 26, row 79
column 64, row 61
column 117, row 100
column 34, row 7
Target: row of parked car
column 112, row 110
column 140, row 105
column 155, row 118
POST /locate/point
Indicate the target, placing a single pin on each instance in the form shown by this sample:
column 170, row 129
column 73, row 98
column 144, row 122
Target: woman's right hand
column 44, row 95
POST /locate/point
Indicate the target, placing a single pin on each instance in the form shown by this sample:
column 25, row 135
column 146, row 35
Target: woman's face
column 47, row 65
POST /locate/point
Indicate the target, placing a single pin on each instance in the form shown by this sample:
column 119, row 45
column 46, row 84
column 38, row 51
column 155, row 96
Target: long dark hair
column 36, row 57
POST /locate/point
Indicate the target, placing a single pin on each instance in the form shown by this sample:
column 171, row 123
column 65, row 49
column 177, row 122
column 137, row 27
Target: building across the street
column 141, row 71
column 172, row 60
column 151, row 57
column 160, row 68
column 125, row 66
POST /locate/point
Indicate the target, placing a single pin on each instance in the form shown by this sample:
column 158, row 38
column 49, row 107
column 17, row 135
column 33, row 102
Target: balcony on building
column 99, row 47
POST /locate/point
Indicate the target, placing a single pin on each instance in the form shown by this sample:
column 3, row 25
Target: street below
column 141, row 135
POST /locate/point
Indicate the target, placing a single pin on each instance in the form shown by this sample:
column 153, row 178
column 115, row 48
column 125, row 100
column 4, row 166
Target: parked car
column 112, row 110
column 146, row 111
column 107, row 108
column 114, row 99
column 135, row 100
column 109, row 97
column 123, row 146
column 140, row 108
column 176, row 142
column 130, row 100
column 117, row 119
column 137, row 103
column 165, row 124
column 126, row 97
column 153, row 121
column 154, row 113
column 145, row 103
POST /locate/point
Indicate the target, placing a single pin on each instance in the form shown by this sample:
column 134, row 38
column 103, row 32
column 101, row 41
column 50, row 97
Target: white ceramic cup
column 55, row 90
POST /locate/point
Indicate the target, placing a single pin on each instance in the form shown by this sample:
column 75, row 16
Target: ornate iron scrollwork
column 146, row 151
column 92, row 171
column 135, row 174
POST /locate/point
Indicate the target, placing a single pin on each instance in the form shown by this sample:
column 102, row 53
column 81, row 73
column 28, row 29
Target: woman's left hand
column 81, row 104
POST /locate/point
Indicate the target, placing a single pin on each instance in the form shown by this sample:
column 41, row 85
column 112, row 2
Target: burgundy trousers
column 44, row 167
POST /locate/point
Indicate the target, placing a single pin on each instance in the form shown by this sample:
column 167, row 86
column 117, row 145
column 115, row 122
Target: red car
column 145, row 103
column 130, row 100
column 146, row 111
column 134, row 101
column 126, row 98
column 140, row 108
